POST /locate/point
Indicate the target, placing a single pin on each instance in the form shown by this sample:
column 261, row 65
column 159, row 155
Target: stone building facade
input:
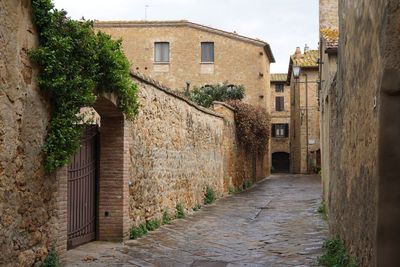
column 329, row 42
column 364, row 127
column 304, row 112
column 181, row 52
column 280, row 122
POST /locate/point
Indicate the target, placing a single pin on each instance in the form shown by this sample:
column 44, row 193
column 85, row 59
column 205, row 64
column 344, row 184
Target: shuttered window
column 161, row 52
column 279, row 103
column 207, row 52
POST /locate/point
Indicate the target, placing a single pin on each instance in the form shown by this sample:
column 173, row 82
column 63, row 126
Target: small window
column 279, row 103
column 161, row 52
column 279, row 88
column 207, row 52
column 280, row 130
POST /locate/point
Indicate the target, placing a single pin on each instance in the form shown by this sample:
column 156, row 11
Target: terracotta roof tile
column 307, row 60
column 278, row 77
column 331, row 36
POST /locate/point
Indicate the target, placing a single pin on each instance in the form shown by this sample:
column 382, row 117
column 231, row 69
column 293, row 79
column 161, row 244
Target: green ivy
column 76, row 64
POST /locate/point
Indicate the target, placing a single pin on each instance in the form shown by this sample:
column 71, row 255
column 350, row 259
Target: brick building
column 182, row 54
column 280, row 121
column 304, row 112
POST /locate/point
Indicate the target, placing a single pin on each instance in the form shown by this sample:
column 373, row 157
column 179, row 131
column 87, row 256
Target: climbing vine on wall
column 252, row 125
column 76, row 64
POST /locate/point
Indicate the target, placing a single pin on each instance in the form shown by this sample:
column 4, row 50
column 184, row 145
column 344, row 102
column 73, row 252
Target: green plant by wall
column 209, row 195
column 232, row 190
column 247, row 184
column 139, row 231
column 180, row 211
column 76, row 64
column 166, row 219
column 204, row 96
column 335, row 255
column 197, row 207
column 322, row 210
column 153, row 224
column 51, row 259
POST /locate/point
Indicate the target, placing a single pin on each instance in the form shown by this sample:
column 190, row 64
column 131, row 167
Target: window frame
column 280, row 130
column 279, row 105
column 279, row 88
column 210, row 56
column 162, row 55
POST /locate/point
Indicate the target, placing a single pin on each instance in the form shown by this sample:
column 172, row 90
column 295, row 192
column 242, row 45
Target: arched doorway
column 280, row 162
column 102, row 193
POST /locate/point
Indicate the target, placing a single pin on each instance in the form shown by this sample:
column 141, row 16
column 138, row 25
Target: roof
column 331, row 37
column 185, row 23
column 307, row 60
column 278, row 77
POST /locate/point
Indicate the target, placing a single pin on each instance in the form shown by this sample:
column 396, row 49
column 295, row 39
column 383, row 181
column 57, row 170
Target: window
column 280, row 130
column 161, row 52
column 279, row 88
column 207, row 52
column 279, row 103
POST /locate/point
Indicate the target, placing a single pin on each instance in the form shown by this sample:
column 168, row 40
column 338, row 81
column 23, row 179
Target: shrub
column 180, row 211
column 247, row 184
column 166, row 219
column 197, row 207
column 139, row 231
column 51, row 259
column 153, row 225
column 209, row 195
column 335, row 255
column 253, row 126
column 204, row 96
column 322, row 210
column 231, row 190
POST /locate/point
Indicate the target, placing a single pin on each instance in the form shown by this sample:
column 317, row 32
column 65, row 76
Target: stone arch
column 388, row 230
column 281, row 162
column 113, row 170
column 112, row 188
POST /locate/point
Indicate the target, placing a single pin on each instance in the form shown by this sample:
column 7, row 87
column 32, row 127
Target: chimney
column 297, row 54
column 306, row 48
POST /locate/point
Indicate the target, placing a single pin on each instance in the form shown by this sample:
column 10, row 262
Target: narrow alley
column 275, row 223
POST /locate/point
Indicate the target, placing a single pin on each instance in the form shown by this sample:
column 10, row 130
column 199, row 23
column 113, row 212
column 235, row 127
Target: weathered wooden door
column 82, row 191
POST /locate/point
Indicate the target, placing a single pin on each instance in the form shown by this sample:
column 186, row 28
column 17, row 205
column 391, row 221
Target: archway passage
column 82, row 190
column 280, row 162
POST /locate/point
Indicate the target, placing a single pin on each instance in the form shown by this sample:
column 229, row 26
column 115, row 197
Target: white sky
column 284, row 24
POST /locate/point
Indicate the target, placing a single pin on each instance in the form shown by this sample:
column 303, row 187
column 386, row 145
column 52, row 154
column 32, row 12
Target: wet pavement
column 275, row 223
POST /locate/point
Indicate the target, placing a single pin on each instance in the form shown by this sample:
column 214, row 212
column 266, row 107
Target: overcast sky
column 284, row 24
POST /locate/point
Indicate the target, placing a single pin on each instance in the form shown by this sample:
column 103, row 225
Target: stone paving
column 275, row 223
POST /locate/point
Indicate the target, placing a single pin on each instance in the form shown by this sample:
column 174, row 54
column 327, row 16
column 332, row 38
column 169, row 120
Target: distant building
column 182, row 54
column 305, row 129
column 280, row 122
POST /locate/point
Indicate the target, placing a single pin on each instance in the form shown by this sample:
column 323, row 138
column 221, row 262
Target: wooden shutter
column 273, row 130
column 286, row 130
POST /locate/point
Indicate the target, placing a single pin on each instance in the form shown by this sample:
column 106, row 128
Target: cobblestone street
column 275, row 223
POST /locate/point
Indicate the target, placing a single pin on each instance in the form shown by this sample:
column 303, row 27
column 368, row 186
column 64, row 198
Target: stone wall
column 328, row 14
column 178, row 149
column 28, row 223
column 353, row 193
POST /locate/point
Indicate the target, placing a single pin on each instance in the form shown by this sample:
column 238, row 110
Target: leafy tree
column 204, row 96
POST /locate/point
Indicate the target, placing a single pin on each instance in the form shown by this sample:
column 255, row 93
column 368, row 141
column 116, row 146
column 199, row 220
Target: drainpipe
column 307, row 157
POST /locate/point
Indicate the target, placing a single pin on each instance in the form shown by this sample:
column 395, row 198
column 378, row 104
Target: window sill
column 207, row 63
column 161, row 63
